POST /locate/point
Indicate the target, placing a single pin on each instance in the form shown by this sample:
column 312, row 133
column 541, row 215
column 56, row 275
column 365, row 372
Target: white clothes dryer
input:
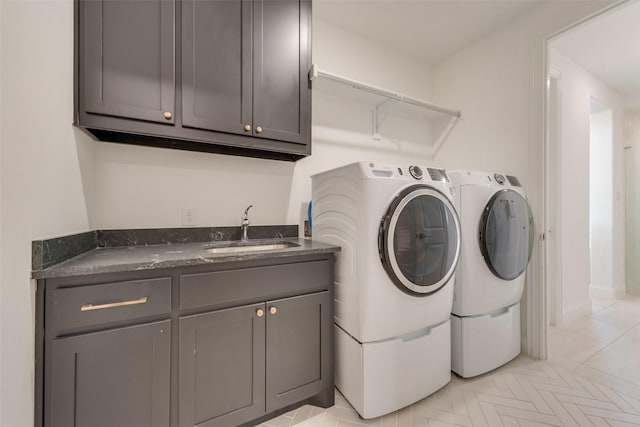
column 497, row 239
column 399, row 235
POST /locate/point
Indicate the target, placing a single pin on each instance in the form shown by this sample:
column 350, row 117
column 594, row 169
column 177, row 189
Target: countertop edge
column 62, row 271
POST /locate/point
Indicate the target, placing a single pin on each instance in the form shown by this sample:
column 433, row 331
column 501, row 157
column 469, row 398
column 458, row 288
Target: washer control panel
column 415, row 172
column 499, row 178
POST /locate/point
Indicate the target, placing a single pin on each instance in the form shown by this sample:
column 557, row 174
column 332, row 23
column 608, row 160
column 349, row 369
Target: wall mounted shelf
column 385, row 103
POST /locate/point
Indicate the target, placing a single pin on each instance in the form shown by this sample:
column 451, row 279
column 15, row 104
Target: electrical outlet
column 189, row 217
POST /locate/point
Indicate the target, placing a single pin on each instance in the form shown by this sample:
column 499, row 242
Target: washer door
column 419, row 240
column 506, row 234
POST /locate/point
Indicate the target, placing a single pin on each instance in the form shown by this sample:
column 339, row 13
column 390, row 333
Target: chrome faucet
column 245, row 223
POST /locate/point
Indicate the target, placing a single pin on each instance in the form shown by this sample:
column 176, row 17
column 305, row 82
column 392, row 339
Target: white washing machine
column 497, row 238
column 400, row 239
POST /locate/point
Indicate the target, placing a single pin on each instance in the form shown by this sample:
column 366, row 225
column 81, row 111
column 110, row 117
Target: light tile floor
column 592, row 378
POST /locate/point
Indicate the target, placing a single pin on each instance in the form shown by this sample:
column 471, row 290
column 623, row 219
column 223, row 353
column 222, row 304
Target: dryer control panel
column 412, row 172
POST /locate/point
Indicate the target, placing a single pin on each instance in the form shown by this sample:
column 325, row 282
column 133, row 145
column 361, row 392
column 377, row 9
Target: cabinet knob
column 247, row 128
column 273, row 310
column 167, row 115
column 258, row 129
column 259, row 312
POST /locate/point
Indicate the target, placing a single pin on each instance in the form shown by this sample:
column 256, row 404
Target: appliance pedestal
column 383, row 376
column 482, row 343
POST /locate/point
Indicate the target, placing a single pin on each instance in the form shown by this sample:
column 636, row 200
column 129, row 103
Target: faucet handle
column 245, row 215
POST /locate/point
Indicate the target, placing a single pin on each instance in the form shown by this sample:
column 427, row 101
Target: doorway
column 590, row 182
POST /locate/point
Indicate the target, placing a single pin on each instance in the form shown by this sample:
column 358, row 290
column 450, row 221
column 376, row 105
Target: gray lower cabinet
column 222, row 371
column 219, row 345
column 298, row 330
column 113, row 378
column 240, row 363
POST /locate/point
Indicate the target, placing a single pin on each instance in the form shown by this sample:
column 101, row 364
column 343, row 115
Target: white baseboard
column 606, row 292
column 576, row 311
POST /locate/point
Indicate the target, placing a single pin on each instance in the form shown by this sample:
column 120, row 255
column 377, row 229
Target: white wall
column 633, row 100
column 40, row 176
column 578, row 87
column 600, row 198
column 147, row 187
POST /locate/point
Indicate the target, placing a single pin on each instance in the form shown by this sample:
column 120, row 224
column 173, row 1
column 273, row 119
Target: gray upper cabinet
column 281, row 58
column 227, row 76
column 127, row 59
column 216, row 65
column 244, row 67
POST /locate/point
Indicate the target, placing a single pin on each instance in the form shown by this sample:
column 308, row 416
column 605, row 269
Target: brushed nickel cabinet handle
column 247, row 128
column 167, row 115
column 273, row 310
column 259, row 129
column 259, row 312
column 89, row 307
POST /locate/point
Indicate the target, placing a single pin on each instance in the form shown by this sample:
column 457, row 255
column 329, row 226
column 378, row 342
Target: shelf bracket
column 442, row 124
column 379, row 116
column 444, row 134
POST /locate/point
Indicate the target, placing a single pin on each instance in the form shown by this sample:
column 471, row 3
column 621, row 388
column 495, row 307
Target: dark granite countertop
column 149, row 257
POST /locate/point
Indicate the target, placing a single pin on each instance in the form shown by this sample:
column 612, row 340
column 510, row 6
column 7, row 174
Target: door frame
column 553, row 196
column 628, row 151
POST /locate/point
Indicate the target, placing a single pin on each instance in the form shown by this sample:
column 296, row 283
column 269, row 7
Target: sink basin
column 250, row 247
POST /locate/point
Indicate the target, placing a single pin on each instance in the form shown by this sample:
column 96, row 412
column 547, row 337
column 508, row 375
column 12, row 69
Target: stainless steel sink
column 250, row 247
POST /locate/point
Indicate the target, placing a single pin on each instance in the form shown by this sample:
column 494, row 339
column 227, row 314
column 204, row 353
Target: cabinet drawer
column 79, row 308
column 235, row 287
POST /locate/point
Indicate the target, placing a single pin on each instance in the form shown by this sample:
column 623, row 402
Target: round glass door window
column 419, row 240
column 506, row 234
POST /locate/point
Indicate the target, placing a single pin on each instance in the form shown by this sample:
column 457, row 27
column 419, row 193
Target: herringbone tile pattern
column 576, row 387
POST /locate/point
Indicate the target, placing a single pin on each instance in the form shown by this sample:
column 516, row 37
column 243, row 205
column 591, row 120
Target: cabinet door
column 281, row 55
column 222, row 367
column 216, row 65
column 299, row 348
column 112, row 378
column 126, row 58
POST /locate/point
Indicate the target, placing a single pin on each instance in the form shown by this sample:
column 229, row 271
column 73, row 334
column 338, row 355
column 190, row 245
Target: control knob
column 415, row 172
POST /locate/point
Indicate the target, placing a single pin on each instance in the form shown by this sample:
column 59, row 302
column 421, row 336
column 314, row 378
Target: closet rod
column 316, row 72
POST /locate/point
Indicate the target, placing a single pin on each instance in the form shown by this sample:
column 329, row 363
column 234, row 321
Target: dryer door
column 419, row 240
column 506, row 234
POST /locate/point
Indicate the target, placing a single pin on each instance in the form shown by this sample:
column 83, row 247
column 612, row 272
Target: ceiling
column 427, row 29
column 608, row 47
